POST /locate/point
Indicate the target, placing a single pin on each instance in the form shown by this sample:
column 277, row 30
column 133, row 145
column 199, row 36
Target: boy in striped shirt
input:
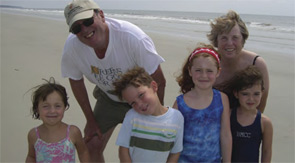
column 150, row 132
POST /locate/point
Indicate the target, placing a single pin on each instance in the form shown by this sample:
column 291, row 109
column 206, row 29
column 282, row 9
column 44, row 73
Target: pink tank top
column 62, row 151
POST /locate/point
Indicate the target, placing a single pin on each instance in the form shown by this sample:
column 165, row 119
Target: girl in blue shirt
column 207, row 136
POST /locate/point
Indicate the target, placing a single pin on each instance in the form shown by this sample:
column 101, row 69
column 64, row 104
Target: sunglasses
column 77, row 28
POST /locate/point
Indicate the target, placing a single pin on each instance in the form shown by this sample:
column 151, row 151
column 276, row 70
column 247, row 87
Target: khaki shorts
column 108, row 113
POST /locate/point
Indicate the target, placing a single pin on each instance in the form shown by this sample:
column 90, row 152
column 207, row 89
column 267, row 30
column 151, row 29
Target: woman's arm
column 260, row 63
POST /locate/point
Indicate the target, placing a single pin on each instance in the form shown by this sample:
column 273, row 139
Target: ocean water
column 263, row 22
column 277, row 32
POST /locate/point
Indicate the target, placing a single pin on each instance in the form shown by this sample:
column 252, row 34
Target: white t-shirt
column 128, row 47
column 151, row 138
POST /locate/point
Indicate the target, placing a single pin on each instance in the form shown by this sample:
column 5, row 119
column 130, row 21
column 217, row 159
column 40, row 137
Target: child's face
column 51, row 110
column 143, row 99
column 250, row 98
column 204, row 72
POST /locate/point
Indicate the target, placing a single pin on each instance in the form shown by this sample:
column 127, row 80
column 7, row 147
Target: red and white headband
column 205, row 50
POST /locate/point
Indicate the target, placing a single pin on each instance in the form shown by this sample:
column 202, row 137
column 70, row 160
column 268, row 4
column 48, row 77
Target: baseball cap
column 79, row 9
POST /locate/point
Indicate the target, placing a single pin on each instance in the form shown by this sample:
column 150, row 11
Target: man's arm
column 80, row 93
column 158, row 76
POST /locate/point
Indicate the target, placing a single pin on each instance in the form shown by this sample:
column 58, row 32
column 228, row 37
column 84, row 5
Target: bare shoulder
column 259, row 62
column 265, row 119
column 75, row 133
column 32, row 136
column 74, row 130
column 266, row 123
column 223, row 96
column 32, row 133
column 225, row 101
column 248, row 55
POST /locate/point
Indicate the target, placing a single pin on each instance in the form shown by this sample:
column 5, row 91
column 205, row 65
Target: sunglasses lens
column 76, row 29
column 88, row 22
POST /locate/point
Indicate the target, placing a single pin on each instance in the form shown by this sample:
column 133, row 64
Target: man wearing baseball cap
column 101, row 49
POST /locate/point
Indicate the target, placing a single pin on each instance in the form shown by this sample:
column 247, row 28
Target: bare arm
column 31, row 141
column 173, row 157
column 80, row 145
column 260, row 63
column 80, row 93
column 225, row 133
column 158, row 76
column 175, row 106
column 124, row 154
column 267, row 132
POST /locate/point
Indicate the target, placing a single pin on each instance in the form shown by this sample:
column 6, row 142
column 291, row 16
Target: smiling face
column 204, row 72
column 95, row 35
column 143, row 99
column 52, row 109
column 230, row 44
column 250, row 98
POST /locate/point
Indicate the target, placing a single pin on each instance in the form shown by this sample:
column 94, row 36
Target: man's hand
column 91, row 130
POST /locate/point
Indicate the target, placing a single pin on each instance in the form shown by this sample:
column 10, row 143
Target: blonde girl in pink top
column 53, row 140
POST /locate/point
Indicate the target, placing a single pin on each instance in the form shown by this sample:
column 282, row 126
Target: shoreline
column 31, row 49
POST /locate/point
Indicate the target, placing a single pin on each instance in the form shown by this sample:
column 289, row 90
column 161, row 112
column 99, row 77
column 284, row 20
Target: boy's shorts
column 108, row 113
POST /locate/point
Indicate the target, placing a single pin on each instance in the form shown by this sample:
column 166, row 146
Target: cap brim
column 82, row 15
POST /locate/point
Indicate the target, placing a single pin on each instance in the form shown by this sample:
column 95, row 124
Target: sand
column 31, row 49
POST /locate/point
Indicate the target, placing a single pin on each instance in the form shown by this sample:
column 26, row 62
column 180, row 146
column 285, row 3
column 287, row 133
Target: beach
column 31, row 50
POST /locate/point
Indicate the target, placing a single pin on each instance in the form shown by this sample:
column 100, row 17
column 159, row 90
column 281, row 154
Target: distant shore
column 31, row 49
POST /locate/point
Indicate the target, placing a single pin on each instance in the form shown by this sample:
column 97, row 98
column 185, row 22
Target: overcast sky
column 264, row 7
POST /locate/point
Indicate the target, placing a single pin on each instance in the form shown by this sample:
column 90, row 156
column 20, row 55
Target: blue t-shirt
column 201, row 142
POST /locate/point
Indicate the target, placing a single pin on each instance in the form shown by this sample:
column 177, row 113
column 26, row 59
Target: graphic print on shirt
column 153, row 136
column 243, row 134
column 106, row 76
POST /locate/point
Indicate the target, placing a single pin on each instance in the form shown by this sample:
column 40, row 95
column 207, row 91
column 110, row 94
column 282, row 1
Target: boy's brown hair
column 134, row 77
